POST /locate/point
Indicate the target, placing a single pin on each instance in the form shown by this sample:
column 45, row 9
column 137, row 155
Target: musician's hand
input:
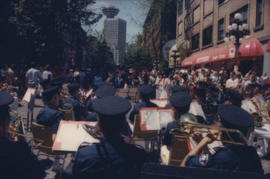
column 211, row 136
column 128, row 140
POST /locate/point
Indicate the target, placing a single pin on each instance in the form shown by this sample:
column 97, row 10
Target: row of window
column 207, row 38
column 244, row 10
column 207, row 33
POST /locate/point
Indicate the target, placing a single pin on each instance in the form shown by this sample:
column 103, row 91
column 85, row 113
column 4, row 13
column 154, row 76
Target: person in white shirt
column 46, row 74
column 32, row 76
column 232, row 82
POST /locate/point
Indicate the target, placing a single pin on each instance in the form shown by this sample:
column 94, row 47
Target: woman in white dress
column 162, row 87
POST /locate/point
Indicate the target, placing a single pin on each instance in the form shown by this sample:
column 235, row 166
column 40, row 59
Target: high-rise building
column 115, row 34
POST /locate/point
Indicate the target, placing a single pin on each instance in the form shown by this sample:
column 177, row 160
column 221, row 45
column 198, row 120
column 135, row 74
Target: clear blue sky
column 130, row 10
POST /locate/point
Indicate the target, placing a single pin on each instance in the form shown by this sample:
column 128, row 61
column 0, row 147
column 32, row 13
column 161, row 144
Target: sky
column 130, row 10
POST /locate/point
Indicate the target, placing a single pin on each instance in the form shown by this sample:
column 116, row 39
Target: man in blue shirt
column 234, row 157
column 111, row 157
column 146, row 92
column 78, row 107
column 49, row 115
column 16, row 158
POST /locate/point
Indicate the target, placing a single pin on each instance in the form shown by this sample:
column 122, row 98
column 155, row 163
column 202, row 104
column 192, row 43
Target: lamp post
column 174, row 55
column 237, row 31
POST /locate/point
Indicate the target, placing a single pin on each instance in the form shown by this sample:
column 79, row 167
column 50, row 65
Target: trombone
column 192, row 128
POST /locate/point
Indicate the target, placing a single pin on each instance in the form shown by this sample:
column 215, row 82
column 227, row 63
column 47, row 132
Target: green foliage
column 46, row 27
column 98, row 52
column 137, row 55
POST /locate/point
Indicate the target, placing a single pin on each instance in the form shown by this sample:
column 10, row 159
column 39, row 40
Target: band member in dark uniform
column 234, row 157
column 112, row 157
column 146, row 92
column 16, row 158
column 78, row 107
column 180, row 101
column 49, row 115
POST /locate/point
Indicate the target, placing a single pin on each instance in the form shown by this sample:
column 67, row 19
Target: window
column 180, row 7
column 220, row 2
column 243, row 11
column 207, row 36
column 221, row 29
column 259, row 13
column 195, row 41
column 187, row 3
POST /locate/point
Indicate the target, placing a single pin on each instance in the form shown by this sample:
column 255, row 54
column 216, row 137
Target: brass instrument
column 190, row 129
column 257, row 116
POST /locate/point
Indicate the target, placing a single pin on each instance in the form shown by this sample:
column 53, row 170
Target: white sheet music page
column 166, row 116
column 27, row 95
column 149, row 119
column 70, row 135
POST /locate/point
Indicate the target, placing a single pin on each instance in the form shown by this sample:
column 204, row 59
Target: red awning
column 214, row 55
column 249, row 48
column 268, row 46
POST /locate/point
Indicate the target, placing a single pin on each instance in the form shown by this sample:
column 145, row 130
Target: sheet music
column 70, row 135
column 27, row 95
column 165, row 116
column 149, row 120
column 88, row 93
column 155, row 118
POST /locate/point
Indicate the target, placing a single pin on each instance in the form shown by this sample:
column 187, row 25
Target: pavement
column 66, row 159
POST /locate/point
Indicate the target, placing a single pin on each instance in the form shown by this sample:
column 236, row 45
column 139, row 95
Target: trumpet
column 192, row 128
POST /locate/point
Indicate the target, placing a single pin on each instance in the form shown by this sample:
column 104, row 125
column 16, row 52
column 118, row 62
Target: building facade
column 115, row 34
column 115, row 37
column 204, row 23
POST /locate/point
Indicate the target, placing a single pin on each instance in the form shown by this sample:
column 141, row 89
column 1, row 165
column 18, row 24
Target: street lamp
column 237, row 31
column 175, row 55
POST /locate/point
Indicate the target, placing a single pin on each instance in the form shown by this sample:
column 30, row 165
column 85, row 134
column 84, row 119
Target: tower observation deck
column 110, row 11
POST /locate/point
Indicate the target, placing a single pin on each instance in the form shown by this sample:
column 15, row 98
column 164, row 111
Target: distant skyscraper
column 115, row 34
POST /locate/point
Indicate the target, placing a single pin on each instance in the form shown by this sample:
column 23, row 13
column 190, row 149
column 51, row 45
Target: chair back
column 68, row 112
column 43, row 135
column 122, row 92
column 133, row 94
column 180, row 148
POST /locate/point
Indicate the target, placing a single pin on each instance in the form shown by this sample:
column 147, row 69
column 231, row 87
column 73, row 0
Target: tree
column 47, row 27
column 137, row 55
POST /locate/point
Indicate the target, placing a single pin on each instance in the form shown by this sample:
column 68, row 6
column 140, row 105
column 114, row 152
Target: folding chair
column 43, row 135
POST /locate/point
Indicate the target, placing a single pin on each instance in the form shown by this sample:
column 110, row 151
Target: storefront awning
column 249, row 48
column 268, row 46
column 210, row 56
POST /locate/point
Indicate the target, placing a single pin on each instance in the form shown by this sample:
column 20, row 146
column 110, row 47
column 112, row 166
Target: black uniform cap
column 105, row 90
column 235, row 117
column 73, row 87
column 180, row 100
column 49, row 93
column 231, row 94
column 59, row 81
column 111, row 106
column 176, row 89
column 146, row 90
